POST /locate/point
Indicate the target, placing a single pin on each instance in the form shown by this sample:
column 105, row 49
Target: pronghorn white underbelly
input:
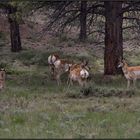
column 137, row 73
column 133, row 75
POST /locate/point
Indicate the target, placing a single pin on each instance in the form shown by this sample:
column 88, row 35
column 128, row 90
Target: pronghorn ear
column 124, row 61
column 56, row 55
column 89, row 67
column 82, row 65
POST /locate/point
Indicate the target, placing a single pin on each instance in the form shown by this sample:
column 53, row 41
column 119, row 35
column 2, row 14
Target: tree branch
column 128, row 8
column 131, row 18
column 129, row 27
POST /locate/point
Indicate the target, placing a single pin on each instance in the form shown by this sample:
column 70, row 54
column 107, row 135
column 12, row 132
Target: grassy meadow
column 33, row 106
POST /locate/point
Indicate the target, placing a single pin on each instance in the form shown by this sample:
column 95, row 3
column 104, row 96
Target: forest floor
column 33, row 106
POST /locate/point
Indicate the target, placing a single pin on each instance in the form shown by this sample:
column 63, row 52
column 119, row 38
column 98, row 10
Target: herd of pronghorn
column 78, row 72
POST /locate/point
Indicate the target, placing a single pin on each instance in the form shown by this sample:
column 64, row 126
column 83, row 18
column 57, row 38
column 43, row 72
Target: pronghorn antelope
column 79, row 73
column 130, row 73
column 59, row 66
column 51, row 60
column 2, row 78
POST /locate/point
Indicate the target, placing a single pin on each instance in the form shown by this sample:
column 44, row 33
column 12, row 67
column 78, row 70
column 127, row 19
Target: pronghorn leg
column 68, row 80
column 80, row 83
column 52, row 72
column 128, row 84
column 1, row 85
column 134, row 83
column 71, row 82
column 85, row 83
column 58, row 82
column 58, row 79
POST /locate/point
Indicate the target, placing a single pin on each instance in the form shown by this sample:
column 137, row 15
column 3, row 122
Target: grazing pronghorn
column 58, row 66
column 2, row 78
column 79, row 73
column 130, row 73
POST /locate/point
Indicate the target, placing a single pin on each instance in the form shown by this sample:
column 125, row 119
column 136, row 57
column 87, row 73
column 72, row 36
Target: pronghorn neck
column 125, row 68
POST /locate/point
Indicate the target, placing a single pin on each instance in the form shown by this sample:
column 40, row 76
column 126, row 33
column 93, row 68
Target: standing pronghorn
column 59, row 66
column 130, row 73
column 79, row 73
column 51, row 60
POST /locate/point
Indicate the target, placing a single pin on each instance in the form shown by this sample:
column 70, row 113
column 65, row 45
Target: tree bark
column 83, row 19
column 113, row 37
column 14, row 30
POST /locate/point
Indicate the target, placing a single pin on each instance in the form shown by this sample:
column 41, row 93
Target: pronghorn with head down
column 79, row 73
column 130, row 73
column 58, row 66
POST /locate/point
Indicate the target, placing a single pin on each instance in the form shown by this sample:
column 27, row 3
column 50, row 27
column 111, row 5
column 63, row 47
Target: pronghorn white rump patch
column 84, row 73
column 51, row 59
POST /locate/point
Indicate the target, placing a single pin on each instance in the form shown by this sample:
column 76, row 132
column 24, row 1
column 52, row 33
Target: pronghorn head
column 85, row 68
column 52, row 58
column 84, row 73
column 121, row 63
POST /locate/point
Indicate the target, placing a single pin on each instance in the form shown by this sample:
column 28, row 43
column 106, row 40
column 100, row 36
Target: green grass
column 33, row 106
column 59, row 124
column 33, row 110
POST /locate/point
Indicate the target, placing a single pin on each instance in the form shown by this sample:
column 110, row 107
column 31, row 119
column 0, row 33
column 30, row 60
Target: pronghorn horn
column 85, row 62
column 124, row 60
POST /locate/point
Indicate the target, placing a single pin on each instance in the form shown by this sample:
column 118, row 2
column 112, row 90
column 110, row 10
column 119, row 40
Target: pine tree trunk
column 14, row 30
column 83, row 18
column 113, row 37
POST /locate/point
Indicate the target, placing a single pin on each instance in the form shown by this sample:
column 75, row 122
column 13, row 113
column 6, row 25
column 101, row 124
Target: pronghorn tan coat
column 78, row 73
column 130, row 73
column 58, row 66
